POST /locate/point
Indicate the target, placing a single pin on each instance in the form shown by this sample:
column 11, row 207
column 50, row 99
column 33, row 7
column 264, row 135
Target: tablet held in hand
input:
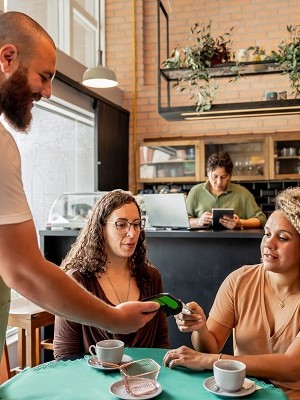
column 218, row 213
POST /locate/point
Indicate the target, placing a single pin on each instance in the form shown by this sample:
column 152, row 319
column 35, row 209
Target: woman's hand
column 189, row 321
column 186, row 357
column 229, row 222
column 205, row 219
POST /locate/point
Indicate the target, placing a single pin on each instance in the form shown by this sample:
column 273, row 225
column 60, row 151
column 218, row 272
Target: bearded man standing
column 27, row 68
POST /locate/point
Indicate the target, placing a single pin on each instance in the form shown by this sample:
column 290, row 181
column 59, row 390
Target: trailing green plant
column 204, row 52
column 288, row 57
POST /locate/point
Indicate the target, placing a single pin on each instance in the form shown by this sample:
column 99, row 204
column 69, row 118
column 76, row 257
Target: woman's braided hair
column 288, row 202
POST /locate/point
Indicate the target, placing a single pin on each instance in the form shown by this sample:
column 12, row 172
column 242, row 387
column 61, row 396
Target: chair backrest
column 5, row 373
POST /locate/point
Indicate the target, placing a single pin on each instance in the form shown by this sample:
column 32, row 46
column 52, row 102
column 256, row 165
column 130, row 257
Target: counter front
column 193, row 264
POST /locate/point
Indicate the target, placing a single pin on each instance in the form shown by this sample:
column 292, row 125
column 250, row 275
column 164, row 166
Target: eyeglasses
column 124, row 226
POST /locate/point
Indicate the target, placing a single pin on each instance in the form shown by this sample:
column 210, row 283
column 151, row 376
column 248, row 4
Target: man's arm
column 23, row 268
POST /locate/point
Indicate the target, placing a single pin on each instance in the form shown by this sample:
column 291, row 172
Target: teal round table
column 77, row 380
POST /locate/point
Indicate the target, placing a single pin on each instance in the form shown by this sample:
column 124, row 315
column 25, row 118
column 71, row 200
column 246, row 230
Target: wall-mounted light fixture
column 99, row 76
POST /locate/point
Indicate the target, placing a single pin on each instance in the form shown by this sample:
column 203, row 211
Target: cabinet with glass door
column 169, row 161
column 249, row 156
column 285, row 156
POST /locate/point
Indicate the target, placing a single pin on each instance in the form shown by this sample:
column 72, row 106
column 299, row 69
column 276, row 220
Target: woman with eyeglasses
column 219, row 192
column 109, row 260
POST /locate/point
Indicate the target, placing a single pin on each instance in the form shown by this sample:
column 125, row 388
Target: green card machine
column 168, row 303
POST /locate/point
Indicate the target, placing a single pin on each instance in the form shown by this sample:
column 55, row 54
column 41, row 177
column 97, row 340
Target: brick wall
column 131, row 34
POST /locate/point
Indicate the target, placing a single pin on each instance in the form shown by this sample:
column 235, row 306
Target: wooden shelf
column 233, row 110
column 170, row 180
column 175, row 161
column 217, row 111
column 226, row 70
column 287, row 176
column 288, row 158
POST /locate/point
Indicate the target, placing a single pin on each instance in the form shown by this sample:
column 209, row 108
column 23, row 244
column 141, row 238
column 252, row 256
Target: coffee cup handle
column 92, row 350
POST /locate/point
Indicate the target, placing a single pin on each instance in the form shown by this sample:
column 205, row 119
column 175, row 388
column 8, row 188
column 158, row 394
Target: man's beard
column 16, row 100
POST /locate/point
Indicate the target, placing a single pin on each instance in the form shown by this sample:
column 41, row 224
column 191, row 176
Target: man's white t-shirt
column 13, row 208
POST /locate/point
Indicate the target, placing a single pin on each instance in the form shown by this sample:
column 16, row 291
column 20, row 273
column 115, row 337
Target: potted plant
column 288, row 57
column 204, row 52
column 257, row 53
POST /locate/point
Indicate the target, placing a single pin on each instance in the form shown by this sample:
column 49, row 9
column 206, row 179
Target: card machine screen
column 168, row 304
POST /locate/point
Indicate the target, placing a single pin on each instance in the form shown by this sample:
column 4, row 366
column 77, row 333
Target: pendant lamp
column 99, row 76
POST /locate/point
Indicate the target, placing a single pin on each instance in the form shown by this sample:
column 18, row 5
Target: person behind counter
column 219, row 192
column 109, row 260
column 260, row 304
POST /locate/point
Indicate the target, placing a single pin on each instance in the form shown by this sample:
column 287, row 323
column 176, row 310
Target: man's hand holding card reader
column 169, row 304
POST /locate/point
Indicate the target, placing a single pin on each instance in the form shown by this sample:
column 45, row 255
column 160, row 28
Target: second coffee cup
column 229, row 374
column 110, row 350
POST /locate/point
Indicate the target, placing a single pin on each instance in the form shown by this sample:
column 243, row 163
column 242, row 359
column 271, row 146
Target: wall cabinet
column 256, row 158
column 249, row 157
column 285, row 156
column 177, row 161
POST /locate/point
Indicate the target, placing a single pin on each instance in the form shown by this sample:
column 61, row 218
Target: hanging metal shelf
column 217, row 111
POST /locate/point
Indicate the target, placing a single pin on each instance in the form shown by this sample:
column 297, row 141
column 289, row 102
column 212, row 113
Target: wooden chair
column 29, row 319
column 5, row 372
column 47, row 344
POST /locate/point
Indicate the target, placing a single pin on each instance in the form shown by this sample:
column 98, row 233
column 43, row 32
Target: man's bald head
column 27, row 67
column 22, row 31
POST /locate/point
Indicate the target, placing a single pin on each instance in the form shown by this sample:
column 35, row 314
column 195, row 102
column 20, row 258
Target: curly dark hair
column 88, row 255
column 220, row 159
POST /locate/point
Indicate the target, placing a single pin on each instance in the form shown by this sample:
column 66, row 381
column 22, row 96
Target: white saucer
column 118, row 389
column 92, row 361
column 210, row 385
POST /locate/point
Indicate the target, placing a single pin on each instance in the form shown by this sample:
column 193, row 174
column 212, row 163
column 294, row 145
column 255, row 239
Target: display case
column 169, row 161
column 249, row 156
column 71, row 210
column 285, row 156
column 255, row 158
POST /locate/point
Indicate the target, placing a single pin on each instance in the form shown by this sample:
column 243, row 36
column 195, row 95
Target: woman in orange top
column 260, row 304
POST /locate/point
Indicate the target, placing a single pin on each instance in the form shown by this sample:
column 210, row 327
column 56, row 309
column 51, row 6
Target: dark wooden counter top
column 246, row 233
column 205, row 233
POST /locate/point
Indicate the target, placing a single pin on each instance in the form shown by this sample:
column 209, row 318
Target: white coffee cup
column 229, row 374
column 110, row 350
